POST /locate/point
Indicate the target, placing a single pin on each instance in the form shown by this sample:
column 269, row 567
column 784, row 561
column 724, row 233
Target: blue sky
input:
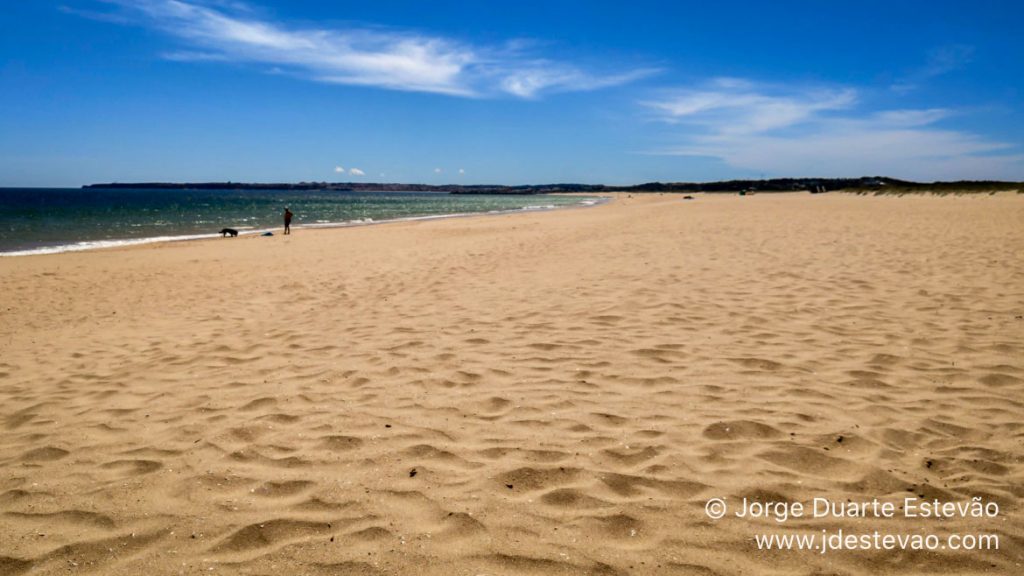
column 513, row 92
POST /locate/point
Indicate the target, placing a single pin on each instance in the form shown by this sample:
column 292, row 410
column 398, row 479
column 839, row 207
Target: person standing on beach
column 287, row 220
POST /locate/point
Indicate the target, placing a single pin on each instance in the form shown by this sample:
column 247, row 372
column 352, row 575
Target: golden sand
column 544, row 393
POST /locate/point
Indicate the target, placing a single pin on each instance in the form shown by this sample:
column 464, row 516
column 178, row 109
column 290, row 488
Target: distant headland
column 862, row 184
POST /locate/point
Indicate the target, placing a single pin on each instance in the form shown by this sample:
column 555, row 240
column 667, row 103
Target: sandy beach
column 542, row 393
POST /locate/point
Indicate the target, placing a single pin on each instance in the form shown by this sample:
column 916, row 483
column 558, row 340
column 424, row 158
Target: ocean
column 53, row 220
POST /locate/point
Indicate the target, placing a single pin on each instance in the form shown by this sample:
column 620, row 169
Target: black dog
column 228, row 231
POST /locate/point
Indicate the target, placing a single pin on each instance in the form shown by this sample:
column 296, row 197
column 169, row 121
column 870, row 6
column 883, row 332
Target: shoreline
column 601, row 198
column 92, row 245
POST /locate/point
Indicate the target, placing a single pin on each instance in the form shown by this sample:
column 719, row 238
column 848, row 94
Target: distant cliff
column 866, row 183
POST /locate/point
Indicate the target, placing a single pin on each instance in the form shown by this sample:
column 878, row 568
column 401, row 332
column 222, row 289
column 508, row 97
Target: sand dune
column 544, row 393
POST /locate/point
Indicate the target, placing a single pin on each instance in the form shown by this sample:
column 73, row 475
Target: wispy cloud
column 339, row 169
column 529, row 79
column 193, row 56
column 734, row 106
column 941, row 60
column 356, row 172
column 790, row 131
column 97, row 15
column 227, row 30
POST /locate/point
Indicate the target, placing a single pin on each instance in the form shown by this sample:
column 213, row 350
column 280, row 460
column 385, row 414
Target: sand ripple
column 536, row 394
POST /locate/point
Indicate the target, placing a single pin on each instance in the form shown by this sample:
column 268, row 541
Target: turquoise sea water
column 39, row 221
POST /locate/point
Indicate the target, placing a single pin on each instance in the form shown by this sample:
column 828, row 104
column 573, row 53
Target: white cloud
column 397, row 60
column 941, row 60
column 794, row 131
column 356, row 172
column 339, row 169
column 193, row 56
column 462, row 170
column 529, row 80
column 734, row 107
column 438, row 170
